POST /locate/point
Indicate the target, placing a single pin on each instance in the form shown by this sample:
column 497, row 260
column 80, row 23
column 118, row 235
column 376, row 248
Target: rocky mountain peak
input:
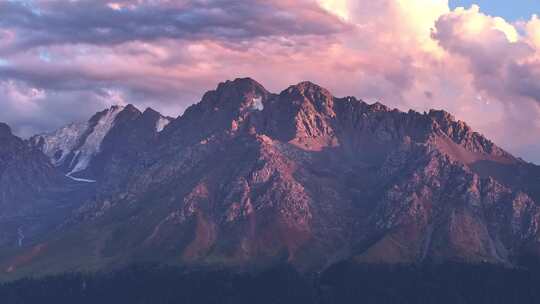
column 129, row 107
column 310, row 96
column 302, row 111
column 242, row 84
column 151, row 112
column 441, row 116
column 378, row 107
column 238, row 94
column 308, row 89
column 225, row 109
column 152, row 116
column 74, row 148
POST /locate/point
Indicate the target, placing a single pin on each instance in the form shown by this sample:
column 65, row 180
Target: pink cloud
column 408, row 54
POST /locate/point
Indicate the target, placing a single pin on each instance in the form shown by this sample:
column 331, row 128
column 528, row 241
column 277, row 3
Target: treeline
column 441, row 284
column 343, row 283
column 161, row 284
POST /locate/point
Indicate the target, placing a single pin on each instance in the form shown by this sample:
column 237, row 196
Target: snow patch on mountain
column 162, row 123
column 258, row 104
column 57, row 145
column 77, row 143
column 92, row 144
column 82, row 180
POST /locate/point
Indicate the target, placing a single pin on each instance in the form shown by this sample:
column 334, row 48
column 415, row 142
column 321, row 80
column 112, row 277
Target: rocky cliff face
column 248, row 177
column 82, row 149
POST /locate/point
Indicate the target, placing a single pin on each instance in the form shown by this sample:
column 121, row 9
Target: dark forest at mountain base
column 343, row 283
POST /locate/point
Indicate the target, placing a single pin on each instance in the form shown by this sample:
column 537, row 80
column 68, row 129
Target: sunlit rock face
column 247, row 177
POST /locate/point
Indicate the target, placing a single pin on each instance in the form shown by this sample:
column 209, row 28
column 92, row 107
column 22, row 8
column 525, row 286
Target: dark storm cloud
column 102, row 23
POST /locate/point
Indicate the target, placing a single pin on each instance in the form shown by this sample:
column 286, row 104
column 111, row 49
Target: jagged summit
column 150, row 111
column 77, row 147
column 241, row 84
column 441, row 116
column 236, row 94
column 378, row 107
column 129, row 107
column 154, row 116
column 308, row 89
column 307, row 111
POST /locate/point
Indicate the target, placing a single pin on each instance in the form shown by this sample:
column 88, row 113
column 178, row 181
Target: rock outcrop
column 84, row 150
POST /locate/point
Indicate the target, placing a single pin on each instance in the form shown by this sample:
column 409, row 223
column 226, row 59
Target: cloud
column 501, row 62
column 62, row 60
column 40, row 23
column 163, row 54
column 532, row 28
column 30, row 110
column 504, row 67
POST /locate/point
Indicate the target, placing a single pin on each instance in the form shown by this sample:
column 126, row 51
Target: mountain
column 84, row 150
column 34, row 196
column 249, row 178
column 24, row 172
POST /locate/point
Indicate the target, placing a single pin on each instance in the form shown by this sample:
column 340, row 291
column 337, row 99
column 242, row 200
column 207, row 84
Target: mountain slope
column 248, row 177
column 23, row 172
column 82, row 149
column 34, row 196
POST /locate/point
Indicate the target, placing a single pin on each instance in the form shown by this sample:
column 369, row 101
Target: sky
column 510, row 10
column 61, row 61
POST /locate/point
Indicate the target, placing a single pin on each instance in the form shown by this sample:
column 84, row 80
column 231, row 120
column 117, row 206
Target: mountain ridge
column 251, row 177
column 74, row 147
